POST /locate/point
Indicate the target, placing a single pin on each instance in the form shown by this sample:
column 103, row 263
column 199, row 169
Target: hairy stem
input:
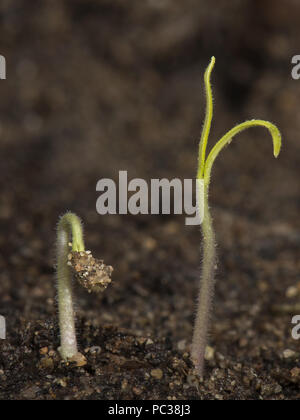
column 206, row 290
column 69, row 227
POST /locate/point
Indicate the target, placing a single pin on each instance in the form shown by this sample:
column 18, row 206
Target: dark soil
column 97, row 87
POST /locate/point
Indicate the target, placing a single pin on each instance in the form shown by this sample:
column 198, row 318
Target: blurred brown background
column 97, row 86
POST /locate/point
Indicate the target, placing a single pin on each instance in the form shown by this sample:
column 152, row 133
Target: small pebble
column 124, row 384
column 30, row 392
column 181, row 345
column 209, row 353
column 292, row 291
column 79, row 360
column 62, row 382
column 137, row 391
column 47, row 363
column 295, row 372
column 288, row 354
column 157, row 373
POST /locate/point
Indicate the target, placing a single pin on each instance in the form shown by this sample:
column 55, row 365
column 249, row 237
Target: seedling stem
column 69, row 228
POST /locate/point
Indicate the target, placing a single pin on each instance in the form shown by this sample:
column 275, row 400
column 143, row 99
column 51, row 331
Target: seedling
column 92, row 274
column 207, row 282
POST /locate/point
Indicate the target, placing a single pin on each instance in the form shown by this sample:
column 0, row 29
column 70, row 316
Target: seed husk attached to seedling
column 89, row 271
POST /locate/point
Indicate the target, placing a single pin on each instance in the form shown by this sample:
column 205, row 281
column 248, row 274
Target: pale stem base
column 206, row 291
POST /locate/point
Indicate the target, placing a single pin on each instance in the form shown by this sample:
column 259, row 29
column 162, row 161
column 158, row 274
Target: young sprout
column 72, row 259
column 207, row 282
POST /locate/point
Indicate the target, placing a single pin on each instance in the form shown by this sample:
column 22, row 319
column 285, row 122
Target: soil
column 97, row 87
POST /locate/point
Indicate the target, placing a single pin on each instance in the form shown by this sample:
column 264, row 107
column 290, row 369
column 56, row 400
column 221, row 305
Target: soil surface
column 97, row 87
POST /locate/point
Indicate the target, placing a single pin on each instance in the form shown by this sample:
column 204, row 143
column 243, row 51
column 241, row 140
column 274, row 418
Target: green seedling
column 207, row 282
column 74, row 261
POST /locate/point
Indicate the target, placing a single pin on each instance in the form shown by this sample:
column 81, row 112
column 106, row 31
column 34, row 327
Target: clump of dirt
column 90, row 272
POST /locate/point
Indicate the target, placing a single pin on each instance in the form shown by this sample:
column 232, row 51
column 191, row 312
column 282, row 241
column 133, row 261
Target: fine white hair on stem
column 206, row 292
column 90, row 272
